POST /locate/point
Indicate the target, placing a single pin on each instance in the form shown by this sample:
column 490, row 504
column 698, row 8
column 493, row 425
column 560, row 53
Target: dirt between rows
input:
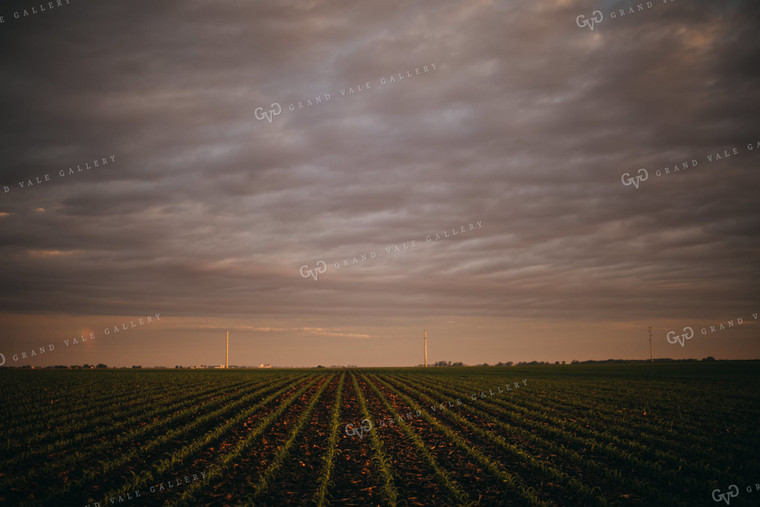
column 296, row 481
column 482, row 487
column 240, row 480
column 355, row 479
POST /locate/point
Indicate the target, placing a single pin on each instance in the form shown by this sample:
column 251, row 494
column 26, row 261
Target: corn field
column 662, row 434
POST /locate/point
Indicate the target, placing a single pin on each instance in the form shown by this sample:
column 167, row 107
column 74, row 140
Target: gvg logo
column 361, row 430
column 674, row 338
column 596, row 17
column 733, row 491
column 275, row 110
column 314, row 273
column 629, row 180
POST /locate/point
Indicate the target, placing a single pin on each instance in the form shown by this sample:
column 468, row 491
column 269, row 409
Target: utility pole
column 426, row 348
column 651, row 353
column 227, row 358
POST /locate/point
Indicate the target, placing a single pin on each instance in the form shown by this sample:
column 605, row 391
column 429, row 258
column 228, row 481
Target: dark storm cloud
column 526, row 125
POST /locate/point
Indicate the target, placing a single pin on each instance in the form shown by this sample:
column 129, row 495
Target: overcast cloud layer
column 524, row 122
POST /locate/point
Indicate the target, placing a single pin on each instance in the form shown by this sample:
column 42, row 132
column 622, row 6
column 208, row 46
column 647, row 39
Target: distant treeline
column 589, row 361
column 437, row 364
column 64, row 367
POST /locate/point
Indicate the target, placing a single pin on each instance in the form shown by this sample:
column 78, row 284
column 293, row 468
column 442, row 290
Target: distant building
column 263, row 365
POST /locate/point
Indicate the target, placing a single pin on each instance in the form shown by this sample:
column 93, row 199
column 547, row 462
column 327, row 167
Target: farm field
column 611, row 434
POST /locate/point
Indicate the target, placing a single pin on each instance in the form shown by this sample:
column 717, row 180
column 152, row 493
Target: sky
column 500, row 174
